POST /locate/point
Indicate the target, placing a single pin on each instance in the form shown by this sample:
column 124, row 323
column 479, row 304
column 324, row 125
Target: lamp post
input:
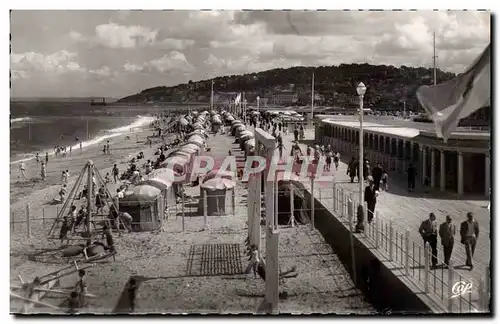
column 361, row 90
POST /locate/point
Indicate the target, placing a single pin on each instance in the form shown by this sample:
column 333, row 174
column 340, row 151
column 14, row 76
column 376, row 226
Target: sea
column 38, row 126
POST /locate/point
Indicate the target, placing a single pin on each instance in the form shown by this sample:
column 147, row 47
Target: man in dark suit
column 371, row 199
column 377, row 176
column 469, row 232
column 412, row 173
column 428, row 230
column 447, row 232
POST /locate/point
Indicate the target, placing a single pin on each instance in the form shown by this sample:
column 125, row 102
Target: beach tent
column 216, row 195
column 144, row 204
column 178, row 164
column 196, row 140
column 249, row 147
column 216, row 174
column 198, row 125
column 301, row 206
column 190, row 146
column 185, row 149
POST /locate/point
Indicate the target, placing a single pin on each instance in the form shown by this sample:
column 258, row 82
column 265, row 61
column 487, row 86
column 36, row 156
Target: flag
column 448, row 102
column 238, row 99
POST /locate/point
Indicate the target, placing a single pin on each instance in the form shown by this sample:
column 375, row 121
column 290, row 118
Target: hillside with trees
column 387, row 86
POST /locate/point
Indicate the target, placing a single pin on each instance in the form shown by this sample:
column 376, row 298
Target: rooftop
column 401, row 128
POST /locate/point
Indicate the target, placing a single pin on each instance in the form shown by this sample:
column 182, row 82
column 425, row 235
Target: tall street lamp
column 361, row 90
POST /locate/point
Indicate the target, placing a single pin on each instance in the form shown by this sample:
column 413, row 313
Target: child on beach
column 81, row 287
column 116, row 173
column 62, row 193
column 46, row 157
column 43, row 171
column 109, row 240
column 254, row 261
column 22, row 170
column 63, row 233
column 37, row 159
column 107, row 178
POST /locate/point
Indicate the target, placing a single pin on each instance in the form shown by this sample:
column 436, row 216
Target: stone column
column 442, row 173
column 411, row 151
column 460, row 180
column 487, row 175
column 433, row 167
column 423, row 162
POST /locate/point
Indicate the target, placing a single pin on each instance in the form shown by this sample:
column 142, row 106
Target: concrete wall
column 392, row 292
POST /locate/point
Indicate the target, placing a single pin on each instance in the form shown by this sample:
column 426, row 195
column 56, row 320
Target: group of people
column 106, row 149
column 62, row 150
column 469, row 234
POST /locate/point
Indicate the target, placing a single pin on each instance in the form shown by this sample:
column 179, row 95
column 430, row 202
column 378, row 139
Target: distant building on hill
column 285, row 97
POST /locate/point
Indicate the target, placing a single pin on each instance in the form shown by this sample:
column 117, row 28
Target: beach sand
column 323, row 284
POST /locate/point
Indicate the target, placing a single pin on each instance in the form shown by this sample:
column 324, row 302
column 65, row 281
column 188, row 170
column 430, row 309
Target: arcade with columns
column 461, row 165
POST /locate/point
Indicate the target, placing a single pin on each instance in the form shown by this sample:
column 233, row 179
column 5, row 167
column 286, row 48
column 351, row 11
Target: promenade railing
column 456, row 292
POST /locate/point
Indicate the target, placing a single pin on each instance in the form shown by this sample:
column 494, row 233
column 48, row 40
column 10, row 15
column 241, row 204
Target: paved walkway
column 407, row 211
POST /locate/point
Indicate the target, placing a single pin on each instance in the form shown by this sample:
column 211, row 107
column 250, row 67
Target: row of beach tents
column 142, row 201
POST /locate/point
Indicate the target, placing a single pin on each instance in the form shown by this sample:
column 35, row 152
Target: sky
column 119, row 53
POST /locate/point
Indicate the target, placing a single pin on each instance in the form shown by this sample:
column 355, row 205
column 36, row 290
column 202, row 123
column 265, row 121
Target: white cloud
column 119, row 36
column 148, row 48
column 103, row 71
column 128, row 67
column 76, row 36
column 173, row 61
column 175, row 44
column 55, row 63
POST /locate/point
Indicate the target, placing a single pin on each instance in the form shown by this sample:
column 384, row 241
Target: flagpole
column 434, row 59
column 212, row 96
column 312, row 99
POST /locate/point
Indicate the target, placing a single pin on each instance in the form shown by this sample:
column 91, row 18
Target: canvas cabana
column 144, row 204
column 301, row 207
column 216, row 195
column 249, row 147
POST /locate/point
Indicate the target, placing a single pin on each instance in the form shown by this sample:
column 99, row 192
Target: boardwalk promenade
column 405, row 212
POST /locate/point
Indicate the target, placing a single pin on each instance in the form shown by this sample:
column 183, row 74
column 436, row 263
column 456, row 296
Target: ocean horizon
column 38, row 126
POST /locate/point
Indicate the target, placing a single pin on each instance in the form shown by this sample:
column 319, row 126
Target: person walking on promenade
column 370, row 198
column 469, row 233
column 385, row 181
column 447, row 232
column 412, row 173
column 280, row 148
column 296, row 134
column 377, row 175
column 328, row 161
column 352, row 169
column 428, row 231
column 336, row 159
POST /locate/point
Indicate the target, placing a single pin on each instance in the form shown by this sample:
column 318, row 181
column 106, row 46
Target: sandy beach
column 162, row 258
